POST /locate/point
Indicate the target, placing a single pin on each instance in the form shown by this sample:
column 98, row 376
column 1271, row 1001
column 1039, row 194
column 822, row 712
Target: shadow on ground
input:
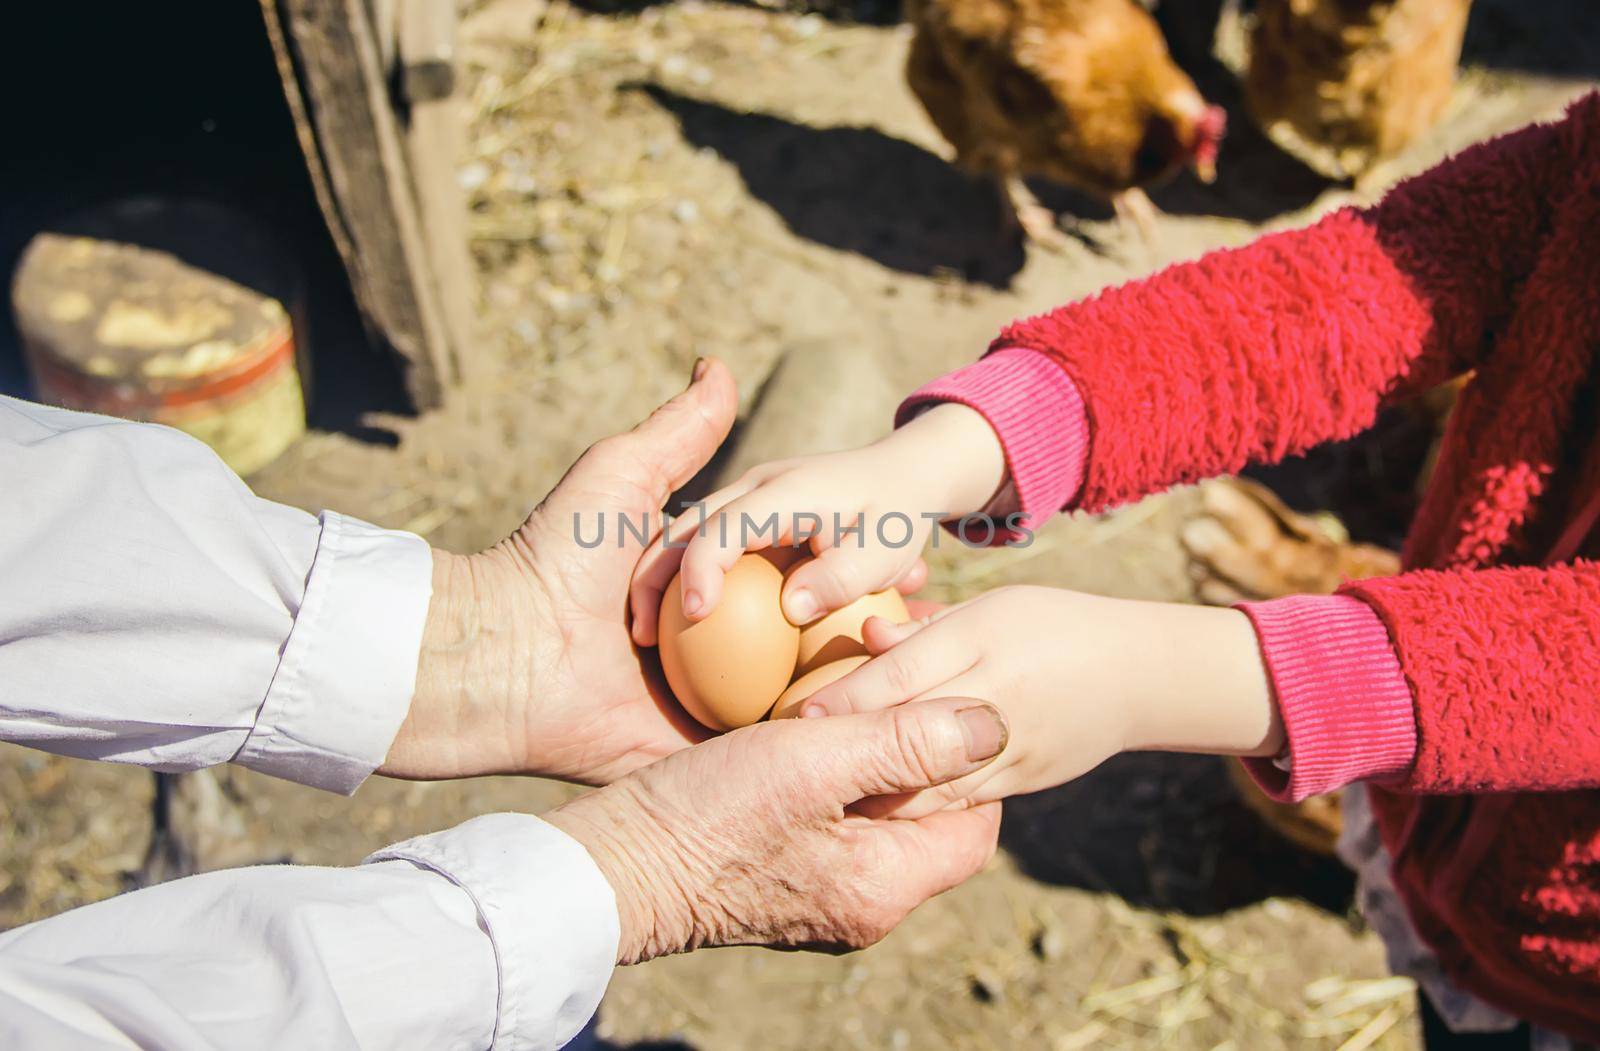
column 1559, row 38
column 1164, row 832
column 858, row 190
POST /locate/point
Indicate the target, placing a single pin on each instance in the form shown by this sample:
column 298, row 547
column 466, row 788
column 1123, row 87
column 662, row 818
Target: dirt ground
column 653, row 183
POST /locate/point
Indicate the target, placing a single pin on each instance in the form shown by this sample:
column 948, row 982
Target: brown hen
column 1082, row 92
column 1343, row 84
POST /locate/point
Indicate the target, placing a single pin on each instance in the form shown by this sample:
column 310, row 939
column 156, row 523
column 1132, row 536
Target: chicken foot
column 1021, row 210
column 1246, row 544
column 1134, row 206
column 200, row 825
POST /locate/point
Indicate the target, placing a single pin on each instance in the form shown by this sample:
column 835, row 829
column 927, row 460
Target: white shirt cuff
column 347, row 673
column 548, row 910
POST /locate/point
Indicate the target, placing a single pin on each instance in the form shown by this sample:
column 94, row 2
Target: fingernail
column 700, row 366
column 813, row 711
column 986, row 731
column 693, row 603
column 802, row 607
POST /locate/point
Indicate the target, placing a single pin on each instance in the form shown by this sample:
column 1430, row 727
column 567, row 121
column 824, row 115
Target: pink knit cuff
column 1347, row 709
column 1039, row 417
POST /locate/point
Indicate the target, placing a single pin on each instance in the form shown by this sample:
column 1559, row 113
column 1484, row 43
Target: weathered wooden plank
column 426, row 32
column 435, row 134
column 335, row 78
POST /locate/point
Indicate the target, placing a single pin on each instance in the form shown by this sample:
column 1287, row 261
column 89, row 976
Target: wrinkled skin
column 527, row 665
column 774, row 855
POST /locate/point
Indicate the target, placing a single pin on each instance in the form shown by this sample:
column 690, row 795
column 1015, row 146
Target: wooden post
column 435, row 141
column 337, row 84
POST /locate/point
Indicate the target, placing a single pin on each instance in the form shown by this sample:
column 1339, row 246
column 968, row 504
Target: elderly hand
column 527, row 665
column 749, row 840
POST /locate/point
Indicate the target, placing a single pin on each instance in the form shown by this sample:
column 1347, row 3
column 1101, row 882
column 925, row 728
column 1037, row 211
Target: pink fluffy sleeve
column 1456, row 681
column 1433, row 682
column 1253, row 354
column 1038, row 416
column 1504, row 665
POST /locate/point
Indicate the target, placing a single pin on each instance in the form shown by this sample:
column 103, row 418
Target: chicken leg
column 1133, row 206
column 199, row 826
column 1246, row 544
column 1021, row 210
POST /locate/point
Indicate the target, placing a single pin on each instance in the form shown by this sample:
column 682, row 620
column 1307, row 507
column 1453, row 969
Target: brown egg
column 838, row 634
column 727, row 670
column 794, row 698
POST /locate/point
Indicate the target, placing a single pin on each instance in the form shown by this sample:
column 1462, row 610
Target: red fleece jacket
column 1468, row 687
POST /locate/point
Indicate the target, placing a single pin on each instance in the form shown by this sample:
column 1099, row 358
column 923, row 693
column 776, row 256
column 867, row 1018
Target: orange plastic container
column 171, row 312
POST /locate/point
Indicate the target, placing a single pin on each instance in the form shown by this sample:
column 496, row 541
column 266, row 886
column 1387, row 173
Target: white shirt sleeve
column 154, row 611
column 498, row 933
column 157, row 612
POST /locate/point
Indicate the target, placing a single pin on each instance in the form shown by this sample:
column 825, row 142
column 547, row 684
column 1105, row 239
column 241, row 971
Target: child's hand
column 1079, row 677
column 946, row 462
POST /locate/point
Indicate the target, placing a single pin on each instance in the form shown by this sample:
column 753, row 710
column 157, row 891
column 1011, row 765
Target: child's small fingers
column 880, row 634
column 912, row 805
column 717, row 538
column 960, row 794
column 661, row 561
column 651, row 575
column 837, row 577
column 645, row 623
column 710, row 554
column 876, row 807
column 1219, row 556
column 924, row 662
column 914, row 579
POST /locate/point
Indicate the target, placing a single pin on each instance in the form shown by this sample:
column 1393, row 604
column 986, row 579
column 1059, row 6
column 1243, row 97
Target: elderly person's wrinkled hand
column 527, row 665
column 750, row 839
